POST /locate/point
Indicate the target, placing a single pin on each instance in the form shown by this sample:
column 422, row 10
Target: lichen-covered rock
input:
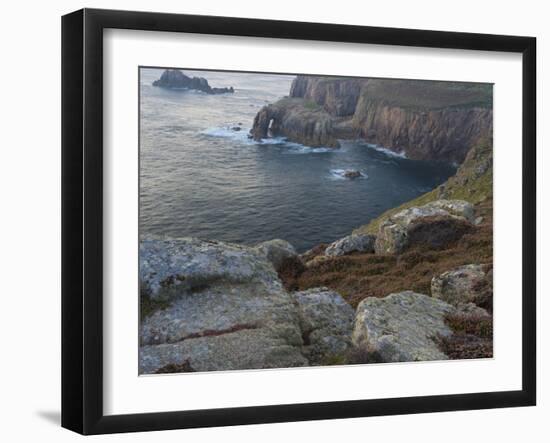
column 227, row 310
column 277, row 251
column 169, row 268
column 402, row 326
column 224, row 308
column 351, row 243
column 437, row 224
column 243, row 349
column 471, row 310
column 464, row 284
column 326, row 320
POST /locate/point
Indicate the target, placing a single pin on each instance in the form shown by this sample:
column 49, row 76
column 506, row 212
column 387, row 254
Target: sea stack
column 175, row 79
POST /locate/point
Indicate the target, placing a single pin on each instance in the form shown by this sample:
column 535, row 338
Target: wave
column 242, row 137
column 387, row 151
column 339, row 174
column 227, row 132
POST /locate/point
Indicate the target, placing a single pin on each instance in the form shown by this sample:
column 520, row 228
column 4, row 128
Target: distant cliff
column 175, row 79
column 424, row 119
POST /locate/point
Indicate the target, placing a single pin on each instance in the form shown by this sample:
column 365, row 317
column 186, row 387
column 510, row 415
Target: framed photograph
column 269, row 221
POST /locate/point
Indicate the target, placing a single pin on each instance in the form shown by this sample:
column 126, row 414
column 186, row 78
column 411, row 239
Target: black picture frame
column 82, row 219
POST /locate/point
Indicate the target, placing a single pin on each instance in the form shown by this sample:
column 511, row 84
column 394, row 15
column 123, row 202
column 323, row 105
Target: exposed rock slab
column 169, row 268
column 326, row 322
column 351, row 243
column 402, row 326
column 245, row 349
column 276, row 251
column 437, row 224
column 224, row 308
column 228, row 309
column 462, row 285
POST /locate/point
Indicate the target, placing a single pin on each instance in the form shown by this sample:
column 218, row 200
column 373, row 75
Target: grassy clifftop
column 473, row 182
column 429, row 95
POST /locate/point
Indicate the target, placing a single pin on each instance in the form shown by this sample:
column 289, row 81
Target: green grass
column 311, row 105
column 429, row 95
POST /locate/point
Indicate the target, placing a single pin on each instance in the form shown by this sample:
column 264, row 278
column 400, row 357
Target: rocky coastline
column 414, row 284
column 392, row 291
column 422, row 119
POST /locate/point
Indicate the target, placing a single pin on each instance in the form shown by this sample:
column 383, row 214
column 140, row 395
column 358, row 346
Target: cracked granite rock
column 402, row 326
column 436, row 224
column 326, row 322
column 227, row 309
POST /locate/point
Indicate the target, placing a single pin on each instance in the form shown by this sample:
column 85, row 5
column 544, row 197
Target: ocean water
column 199, row 177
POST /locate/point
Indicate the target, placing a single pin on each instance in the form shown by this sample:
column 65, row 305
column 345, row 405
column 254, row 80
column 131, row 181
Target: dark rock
column 352, row 174
column 175, row 79
column 297, row 121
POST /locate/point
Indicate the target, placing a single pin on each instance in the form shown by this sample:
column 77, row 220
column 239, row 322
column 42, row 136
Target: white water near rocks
column 201, row 177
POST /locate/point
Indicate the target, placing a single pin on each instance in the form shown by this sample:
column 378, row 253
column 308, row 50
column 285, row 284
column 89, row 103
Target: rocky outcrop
column 170, row 268
column 277, row 252
column 473, row 182
column 337, row 96
column 402, row 326
column 435, row 224
column 240, row 349
column 351, row 243
column 326, row 320
column 295, row 120
column 227, row 310
column 223, row 307
column 423, row 119
column 463, row 285
column 175, row 79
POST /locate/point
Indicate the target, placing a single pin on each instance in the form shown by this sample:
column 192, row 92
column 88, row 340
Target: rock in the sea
column 227, row 310
column 326, row 322
column 465, row 284
column 402, row 326
column 351, row 243
column 350, row 173
column 276, row 251
column 175, row 79
column 295, row 120
column 437, row 224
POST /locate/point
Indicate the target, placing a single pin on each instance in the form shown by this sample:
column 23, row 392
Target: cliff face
column 296, row 120
column 337, row 96
column 423, row 119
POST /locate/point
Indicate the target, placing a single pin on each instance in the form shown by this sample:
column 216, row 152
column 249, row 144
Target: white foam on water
column 227, row 132
column 243, row 138
column 339, row 174
column 387, row 151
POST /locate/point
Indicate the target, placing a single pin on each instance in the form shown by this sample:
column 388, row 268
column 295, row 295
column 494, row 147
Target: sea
column 201, row 177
